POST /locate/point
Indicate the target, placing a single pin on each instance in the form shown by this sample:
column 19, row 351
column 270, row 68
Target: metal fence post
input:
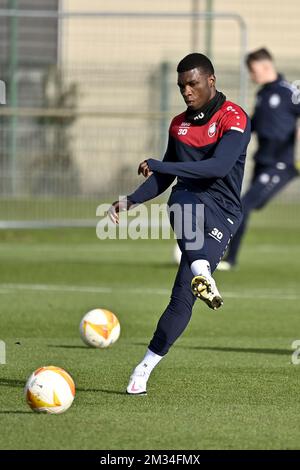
column 164, row 105
column 13, row 95
column 209, row 28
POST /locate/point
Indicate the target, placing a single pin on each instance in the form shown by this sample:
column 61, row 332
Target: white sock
column 149, row 362
column 201, row 267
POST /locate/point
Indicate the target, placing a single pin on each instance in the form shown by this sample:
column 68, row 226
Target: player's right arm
column 154, row 185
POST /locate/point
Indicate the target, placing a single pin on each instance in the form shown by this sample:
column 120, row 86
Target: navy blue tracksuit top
column 208, row 160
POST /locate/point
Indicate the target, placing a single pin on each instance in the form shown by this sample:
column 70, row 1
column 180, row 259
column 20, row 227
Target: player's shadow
column 282, row 352
column 100, row 390
column 12, row 382
column 67, row 346
column 21, row 383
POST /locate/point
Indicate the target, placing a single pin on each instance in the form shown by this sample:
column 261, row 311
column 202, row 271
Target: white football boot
column 138, row 382
column 204, row 288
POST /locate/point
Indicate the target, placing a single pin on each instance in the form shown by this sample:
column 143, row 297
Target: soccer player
column 274, row 121
column 206, row 152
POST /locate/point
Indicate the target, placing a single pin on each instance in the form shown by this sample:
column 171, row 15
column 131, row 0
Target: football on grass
column 50, row 389
column 100, row 328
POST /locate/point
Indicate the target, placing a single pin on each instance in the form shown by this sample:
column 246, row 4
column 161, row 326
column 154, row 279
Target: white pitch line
column 81, row 289
column 273, row 248
column 261, row 294
column 57, row 288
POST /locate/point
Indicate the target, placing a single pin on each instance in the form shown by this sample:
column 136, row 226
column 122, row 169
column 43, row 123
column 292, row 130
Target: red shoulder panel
column 233, row 117
column 229, row 117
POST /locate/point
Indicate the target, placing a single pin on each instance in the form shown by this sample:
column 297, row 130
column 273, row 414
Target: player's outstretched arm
column 155, row 185
column 227, row 152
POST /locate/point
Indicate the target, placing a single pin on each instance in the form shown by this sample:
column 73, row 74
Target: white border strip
column 257, row 294
column 237, row 129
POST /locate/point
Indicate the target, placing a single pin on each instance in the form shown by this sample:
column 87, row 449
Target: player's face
column 196, row 87
column 259, row 71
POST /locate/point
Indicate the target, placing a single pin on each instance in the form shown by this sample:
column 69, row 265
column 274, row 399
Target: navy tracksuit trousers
column 216, row 236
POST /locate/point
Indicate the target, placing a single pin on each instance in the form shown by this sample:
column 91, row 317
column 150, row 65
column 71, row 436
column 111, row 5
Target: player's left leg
column 171, row 325
column 203, row 259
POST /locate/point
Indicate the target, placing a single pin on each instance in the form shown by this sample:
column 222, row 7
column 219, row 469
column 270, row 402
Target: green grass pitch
column 228, row 383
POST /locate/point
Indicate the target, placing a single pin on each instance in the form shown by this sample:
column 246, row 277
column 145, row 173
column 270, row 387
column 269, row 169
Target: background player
column 206, row 152
column 274, row 121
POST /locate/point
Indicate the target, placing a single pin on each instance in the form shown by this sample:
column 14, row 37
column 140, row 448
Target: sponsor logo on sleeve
column 212, row 129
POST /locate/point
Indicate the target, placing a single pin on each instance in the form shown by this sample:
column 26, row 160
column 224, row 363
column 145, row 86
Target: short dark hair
column 259, row 54
column 195, row 61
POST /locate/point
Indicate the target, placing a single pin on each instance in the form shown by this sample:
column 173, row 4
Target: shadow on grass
column 100, row 390
column 21, row 383
column 282, row 352
column 10, row 412
column 12, row 382
column 68, row 346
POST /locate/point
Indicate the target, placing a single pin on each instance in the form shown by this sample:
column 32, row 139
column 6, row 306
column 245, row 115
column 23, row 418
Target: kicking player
column 274, row 122
column 206, row 152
